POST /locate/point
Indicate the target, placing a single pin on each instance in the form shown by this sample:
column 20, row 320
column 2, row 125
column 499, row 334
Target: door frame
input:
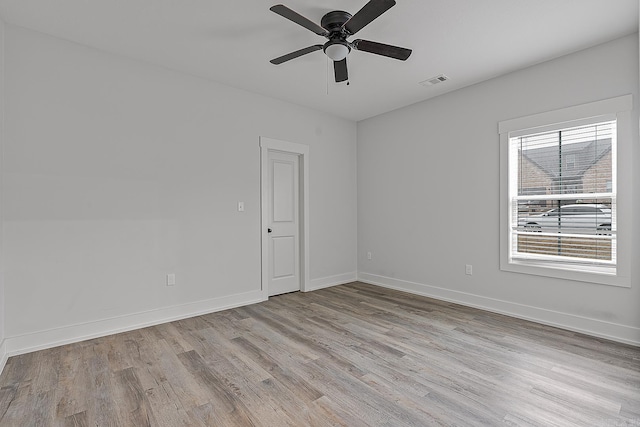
column 302, row 151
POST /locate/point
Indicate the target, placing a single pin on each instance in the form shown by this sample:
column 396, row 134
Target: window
column 559, row 206
column 579, row 230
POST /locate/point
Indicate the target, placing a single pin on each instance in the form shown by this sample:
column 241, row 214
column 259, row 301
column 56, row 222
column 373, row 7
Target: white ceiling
column 232, row 42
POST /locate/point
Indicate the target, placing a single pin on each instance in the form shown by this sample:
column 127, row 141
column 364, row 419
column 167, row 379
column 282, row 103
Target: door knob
column 268, row 230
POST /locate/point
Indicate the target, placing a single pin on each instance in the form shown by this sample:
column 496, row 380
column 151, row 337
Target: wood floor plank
column 131, row 401
column 76, row 420
column 325, row 412
column 228, row 408
column 248, row 382
column 350, row 355
column 303, row 389
column 99, row 376
column 7, row 395
column 73, row 381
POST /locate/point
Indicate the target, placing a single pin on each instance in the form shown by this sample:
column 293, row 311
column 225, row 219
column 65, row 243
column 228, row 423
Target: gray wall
column 118, row 172
column 2, row 303
column 428, row 194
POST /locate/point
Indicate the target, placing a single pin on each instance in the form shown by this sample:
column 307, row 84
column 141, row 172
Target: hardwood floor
column 352, row 355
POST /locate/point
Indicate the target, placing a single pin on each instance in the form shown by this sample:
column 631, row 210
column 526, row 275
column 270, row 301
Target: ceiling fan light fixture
column 336, row 50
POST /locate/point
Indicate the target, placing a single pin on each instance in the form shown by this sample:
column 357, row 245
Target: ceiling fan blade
column 368, row 13
column 297, row 53
column 395, row 52
column 340, row 70
column 284, row 11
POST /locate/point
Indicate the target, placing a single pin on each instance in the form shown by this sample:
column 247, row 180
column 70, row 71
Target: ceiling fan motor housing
column 334, row 21
column 337, row 48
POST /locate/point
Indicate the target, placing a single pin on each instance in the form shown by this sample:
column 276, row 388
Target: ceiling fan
column 337, row 26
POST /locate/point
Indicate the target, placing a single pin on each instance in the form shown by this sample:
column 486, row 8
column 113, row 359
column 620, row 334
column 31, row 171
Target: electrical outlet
column 369, row 256
column 171, row 279
column 468, row 269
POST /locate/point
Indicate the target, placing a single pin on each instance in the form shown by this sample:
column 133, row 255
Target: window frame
column 618, row 108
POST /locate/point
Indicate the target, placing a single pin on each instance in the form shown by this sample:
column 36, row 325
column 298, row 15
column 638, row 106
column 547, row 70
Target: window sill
column 592, row 274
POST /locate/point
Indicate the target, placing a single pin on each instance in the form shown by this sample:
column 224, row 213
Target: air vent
column 435, row 80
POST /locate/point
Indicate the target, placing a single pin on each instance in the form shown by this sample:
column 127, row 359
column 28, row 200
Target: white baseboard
column 3, row 355
column 40, row 340
column 598, row 328
column 74, row 333
column 326, row 282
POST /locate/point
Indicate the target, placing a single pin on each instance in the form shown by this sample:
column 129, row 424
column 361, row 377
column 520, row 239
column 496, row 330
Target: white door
column 283, row 223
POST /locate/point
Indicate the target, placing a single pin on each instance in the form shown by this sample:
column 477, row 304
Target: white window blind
column 562, row 194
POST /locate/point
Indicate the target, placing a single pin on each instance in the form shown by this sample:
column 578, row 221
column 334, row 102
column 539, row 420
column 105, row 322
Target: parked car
column 582, row 218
